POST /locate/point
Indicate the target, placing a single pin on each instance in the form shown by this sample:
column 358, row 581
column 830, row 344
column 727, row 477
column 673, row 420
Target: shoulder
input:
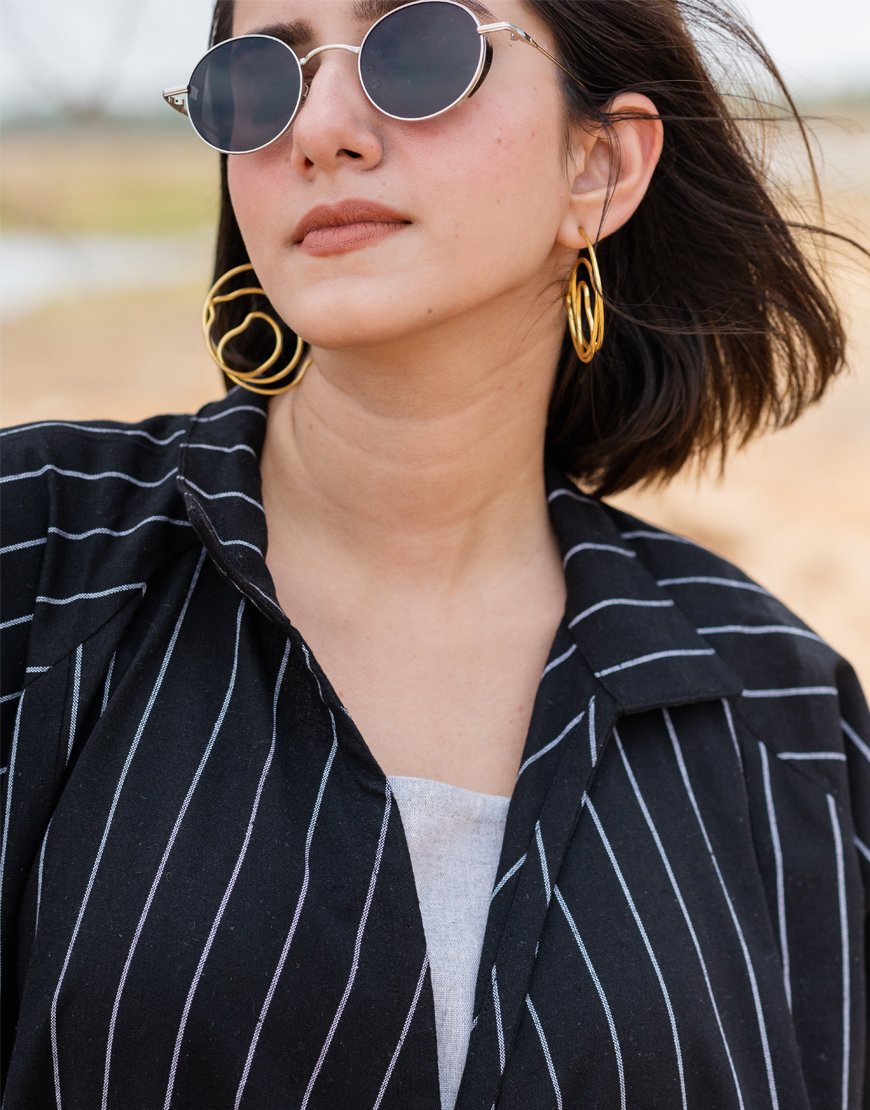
column 704, row 584
column 89, row 447
column 90, row 510
column 67, row 479
column 797, row 688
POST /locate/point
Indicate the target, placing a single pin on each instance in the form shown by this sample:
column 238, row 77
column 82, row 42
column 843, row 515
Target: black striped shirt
column 207, row 896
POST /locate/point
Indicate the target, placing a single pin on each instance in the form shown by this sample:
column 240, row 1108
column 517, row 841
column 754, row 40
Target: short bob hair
column 719, row 324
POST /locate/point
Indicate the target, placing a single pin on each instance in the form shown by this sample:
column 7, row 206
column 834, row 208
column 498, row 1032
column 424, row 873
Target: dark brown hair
column 720, row 322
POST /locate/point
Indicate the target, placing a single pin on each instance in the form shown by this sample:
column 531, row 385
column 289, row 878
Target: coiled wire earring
column 578, row 305
column 249, row 379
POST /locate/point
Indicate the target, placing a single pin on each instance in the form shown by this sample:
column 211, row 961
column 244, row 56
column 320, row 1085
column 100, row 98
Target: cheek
column 255, row 190
column 510, row 193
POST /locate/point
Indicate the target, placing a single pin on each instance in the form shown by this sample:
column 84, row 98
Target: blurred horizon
column 108, row 206
column 90, row 58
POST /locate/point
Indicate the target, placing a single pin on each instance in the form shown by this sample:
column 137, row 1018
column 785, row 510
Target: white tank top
column 454, row 837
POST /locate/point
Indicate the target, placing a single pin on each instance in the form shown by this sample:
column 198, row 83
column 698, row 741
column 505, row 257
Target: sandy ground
column 793, row 509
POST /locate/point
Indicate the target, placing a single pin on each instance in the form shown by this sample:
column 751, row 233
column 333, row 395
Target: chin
column 344, row 327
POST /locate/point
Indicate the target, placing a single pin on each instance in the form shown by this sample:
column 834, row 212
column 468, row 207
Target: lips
column 345, row 213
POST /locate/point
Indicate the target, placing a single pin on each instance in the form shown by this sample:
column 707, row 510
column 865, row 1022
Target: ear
column 639, row 147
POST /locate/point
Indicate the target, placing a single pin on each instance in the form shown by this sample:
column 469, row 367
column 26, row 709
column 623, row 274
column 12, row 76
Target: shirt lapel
column 623, row 647
column 219, row 479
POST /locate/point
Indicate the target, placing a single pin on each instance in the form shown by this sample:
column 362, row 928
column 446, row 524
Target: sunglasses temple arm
column 518, row 33
column 177, row 98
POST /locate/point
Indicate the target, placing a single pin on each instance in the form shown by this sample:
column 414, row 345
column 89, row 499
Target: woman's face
column 484, row 188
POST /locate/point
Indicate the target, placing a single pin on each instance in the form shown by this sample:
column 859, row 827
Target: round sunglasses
column 414, row 63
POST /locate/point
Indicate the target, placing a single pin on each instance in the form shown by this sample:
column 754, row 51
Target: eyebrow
column 299, row 32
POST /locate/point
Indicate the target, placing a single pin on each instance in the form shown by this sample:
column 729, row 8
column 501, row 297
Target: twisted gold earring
column 245, row 378
column 585, row 348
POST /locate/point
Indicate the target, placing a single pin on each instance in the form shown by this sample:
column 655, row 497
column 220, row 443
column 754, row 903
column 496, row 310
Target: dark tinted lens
column 243, row 93
column 420, row 59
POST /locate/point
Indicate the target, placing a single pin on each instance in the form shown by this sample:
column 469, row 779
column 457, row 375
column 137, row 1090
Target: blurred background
column 107, row 208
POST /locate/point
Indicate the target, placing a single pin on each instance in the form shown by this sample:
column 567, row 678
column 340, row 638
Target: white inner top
column 454, row 837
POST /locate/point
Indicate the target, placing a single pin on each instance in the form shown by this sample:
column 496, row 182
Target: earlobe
column 627, row 150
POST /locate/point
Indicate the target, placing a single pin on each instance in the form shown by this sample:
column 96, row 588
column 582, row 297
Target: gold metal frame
column 177, row 96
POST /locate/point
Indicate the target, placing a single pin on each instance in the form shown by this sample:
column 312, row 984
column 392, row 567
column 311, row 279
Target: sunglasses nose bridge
column 328, row 46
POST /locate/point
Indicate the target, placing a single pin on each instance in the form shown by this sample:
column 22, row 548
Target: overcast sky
column 126, row 51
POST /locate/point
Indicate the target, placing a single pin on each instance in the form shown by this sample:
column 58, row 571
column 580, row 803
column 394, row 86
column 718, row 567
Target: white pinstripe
column 93, row 428
column 844, row 947
column 790, row 691
column 237, row 543
column 863, row 848
column 758, row 630
column 542, row 856
column 222, row 450
column 95, row 477
column 420, row 981
column 713, row 580
column 812, row 755
column 74, row 710
column 780, row 882
column 157, row 518
column 197, row 419
column 593, row 974
column 10, row 697
column 300, row 902
column 683, row 908
column 552, row 743
column 123, row 776
column 762, row 1029
column 507, row 875
column 652, row 656
column 669, row 603
column 593, row 740
column 231, row 493
column 17, row 620
column 496, row 1009
column 197, row 975
column 10, row 547
column 728, row 717
column 860, row 744
column 546, row 1050
column 356, row 949
column 574, row 494
column 559, row 659
column 277, row 608
column 637, row 919
column 39, row 875
column 146, row 909
column 108, row 684
column 91, row 595
column 597, row 547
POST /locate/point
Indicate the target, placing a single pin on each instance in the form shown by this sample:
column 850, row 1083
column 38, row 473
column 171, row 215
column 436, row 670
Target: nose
column 335, row 123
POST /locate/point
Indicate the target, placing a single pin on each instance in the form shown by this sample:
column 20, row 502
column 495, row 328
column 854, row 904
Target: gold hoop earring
column 249, row 379
column 577, row 292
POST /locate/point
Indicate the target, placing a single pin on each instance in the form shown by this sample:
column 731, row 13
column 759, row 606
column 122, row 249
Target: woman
column 468, row 789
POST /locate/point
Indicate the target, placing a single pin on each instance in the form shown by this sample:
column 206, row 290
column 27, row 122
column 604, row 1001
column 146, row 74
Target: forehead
column 300, row 21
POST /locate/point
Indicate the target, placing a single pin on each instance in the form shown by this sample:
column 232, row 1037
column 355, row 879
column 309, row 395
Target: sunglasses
column 416, row 62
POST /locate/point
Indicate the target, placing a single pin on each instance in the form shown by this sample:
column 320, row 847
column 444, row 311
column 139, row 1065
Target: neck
column 421, row 468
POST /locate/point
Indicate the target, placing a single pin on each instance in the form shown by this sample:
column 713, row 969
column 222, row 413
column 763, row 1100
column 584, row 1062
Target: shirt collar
column 638, row 643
